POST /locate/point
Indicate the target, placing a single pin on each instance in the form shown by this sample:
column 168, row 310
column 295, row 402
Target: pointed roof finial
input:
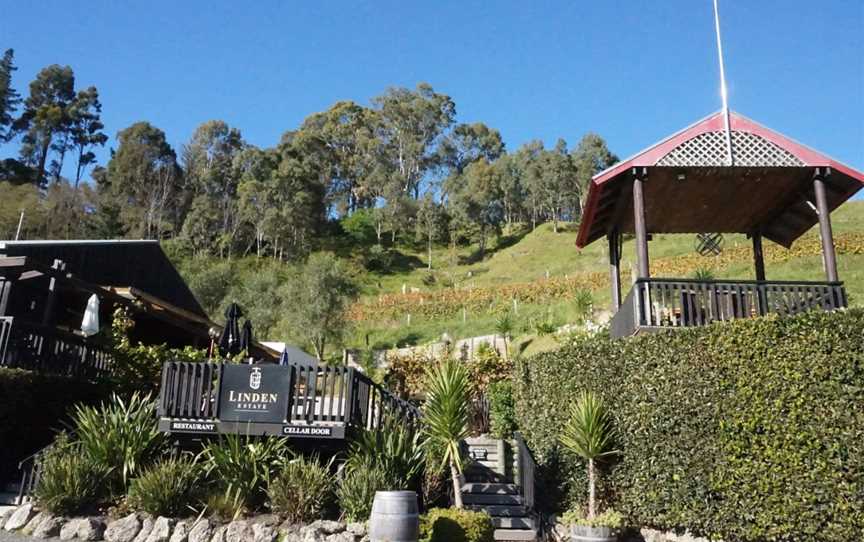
column 723, row 93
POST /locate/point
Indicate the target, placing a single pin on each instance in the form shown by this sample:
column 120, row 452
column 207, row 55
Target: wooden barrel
column 394, row 517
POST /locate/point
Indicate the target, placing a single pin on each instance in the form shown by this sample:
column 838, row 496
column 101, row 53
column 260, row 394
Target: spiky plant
column 588, row 433
column 446, row 415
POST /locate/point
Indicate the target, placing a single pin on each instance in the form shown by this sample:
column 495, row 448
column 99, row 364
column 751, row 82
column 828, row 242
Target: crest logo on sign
column 255, row 378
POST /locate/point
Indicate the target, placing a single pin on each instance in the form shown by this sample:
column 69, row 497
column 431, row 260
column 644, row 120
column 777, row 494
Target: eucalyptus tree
column 45, row 120
column 9, row 97
column 468, row 143
column 143, row 181
column 475, row 202
column 86, row 129
column 590, row 156
column 552, row 182
column 431, row 224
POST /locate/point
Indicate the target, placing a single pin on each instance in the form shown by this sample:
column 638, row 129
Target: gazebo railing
column 679, row 303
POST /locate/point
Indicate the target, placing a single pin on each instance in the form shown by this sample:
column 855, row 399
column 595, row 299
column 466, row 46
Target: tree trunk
column 429, row 249
column 457, row 487
column 591, row 489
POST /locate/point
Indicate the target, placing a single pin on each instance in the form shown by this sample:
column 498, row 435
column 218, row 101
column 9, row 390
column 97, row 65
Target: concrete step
column 500, row 511
column 513, row 523
column 485, row 499
column 514, row 535
column 490, row 489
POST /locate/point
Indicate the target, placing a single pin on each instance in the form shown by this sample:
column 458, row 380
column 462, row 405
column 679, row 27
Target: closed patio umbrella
column 283, row 358
column 246, row 337
column 90, row 323
column 229, row 341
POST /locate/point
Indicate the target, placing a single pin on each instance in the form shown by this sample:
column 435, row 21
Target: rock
column 70, row 530
column 288, row 532
column 263, row 533
column 124, row 529
column 238, row 531
column 344, row 536
column 201, row 531
column 90, row 529
column 356, row 528
column 20, row 517
column 34, row 523
column 5, row 516
column 180, row 533
column 219, row 534
column 146, row 527
column 161, row 530
column 49, row 527
column 327, row 527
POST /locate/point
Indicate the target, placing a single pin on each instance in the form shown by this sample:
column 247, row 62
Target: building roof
column 114, row 263
column 690, row 188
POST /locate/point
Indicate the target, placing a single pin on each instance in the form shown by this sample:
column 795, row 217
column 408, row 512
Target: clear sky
column 633, row 71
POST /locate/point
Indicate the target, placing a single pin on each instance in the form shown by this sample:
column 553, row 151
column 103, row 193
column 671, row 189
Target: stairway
column 490, row 487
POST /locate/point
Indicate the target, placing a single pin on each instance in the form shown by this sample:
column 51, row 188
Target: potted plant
column 588, row 433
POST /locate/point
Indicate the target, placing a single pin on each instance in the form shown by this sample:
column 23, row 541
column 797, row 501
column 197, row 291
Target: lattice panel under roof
column 709, row 150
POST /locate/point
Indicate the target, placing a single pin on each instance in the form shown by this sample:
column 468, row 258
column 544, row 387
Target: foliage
column 453, row 525
column 167, row 488
column 120, row 434
column 502, row 409
column 487, row 367
column 301, row 490
column 588, row 433
column 356, row 490
column 71, row 481
column 446, row 414
column 703, row 274
column 743, row 431
column 395, row 448
column 241, row 467
column 608, row 518
column 33, row 406
column 406, row 372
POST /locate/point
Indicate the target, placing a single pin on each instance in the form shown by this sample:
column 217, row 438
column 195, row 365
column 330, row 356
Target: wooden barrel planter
column 581, row 533
column 395, row 517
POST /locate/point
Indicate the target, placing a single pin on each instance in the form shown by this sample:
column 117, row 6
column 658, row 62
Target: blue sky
column 633, row 71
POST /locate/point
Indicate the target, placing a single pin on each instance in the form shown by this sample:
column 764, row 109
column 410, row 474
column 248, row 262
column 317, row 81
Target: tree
column 591, row 156
column 552, row 181
column 143, row 180
column 588, row 434
column 469, row 143
column 431, row 223
column 445, row 415
column 318, row 296
column 9, row 98
column 45, row 120
column 475, row 202
column 86, row 129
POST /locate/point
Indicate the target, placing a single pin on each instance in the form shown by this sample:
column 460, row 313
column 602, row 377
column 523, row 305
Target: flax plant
column 588, row 433
column 446, row 415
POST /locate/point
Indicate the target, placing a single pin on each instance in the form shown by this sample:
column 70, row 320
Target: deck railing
column 321, row 394
column 49, row 350
column 677, row 303
column 527, row 470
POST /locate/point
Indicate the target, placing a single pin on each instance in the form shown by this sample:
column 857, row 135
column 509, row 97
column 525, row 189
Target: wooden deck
column 293, row 401
column 655, row 304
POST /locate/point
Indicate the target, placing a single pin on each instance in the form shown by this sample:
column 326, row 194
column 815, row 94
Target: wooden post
column 48, row 312
column 830, row 258
column 615, row 268
column 5, row 288
column 758, row 255
column 639, row 226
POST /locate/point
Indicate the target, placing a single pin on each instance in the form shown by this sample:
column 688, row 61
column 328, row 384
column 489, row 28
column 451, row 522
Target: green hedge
column 751, row 430
column 453, row 525
column 32, row 408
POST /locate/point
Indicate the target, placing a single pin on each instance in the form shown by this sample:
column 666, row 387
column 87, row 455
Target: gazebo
column 746, row 179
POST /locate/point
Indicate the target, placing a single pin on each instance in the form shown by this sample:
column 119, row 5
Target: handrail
column 31, row 471
column 742, row 281
column 527, row 470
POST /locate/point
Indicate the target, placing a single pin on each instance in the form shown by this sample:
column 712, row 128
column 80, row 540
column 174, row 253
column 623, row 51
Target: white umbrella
column 90, row 324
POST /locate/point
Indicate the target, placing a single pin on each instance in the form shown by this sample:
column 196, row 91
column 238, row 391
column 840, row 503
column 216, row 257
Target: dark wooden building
column 704, row 179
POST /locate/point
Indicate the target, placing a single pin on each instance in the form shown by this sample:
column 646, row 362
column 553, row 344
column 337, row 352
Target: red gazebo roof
column 690, row 188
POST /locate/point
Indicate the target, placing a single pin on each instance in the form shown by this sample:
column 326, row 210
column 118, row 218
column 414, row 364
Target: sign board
column 306, row 431
column 193, row 427
column 254, row 393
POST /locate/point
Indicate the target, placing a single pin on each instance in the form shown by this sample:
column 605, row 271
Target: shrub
column 453, row 525
column 302, row 490
column 71, row 481
column 241, row 466
column 743, row 431
column 357, row 488
column 167, row 488
column 397, row 449
column 120, row 434
column 33, row 407
column 502, row 409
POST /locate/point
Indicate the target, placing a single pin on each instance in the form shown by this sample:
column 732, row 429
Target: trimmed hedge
column 33, row 407
column 749, row 430
column 453, row 525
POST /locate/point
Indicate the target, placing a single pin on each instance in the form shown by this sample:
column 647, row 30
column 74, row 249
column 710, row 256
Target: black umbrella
column 229, row 341
column 283, row 358
column 246, row 337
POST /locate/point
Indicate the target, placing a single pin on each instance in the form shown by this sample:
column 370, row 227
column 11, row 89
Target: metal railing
column 322, row 394
column 49, row 350
column 527, row 470
column 31, row 470
column 678, row 303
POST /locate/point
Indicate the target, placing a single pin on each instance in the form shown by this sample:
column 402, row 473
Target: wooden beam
column 615, row 267
column 639, row 224
column 829, row 256
column 758, row 255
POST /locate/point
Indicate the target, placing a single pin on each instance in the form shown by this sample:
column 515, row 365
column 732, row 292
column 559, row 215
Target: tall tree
column 590, row 156
column 9, row 97
column 86, row 129
column 143, row 180
column 45, row 118
column 552, row 181
column 475, row 202
column 468, row 143
column 431, row 223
